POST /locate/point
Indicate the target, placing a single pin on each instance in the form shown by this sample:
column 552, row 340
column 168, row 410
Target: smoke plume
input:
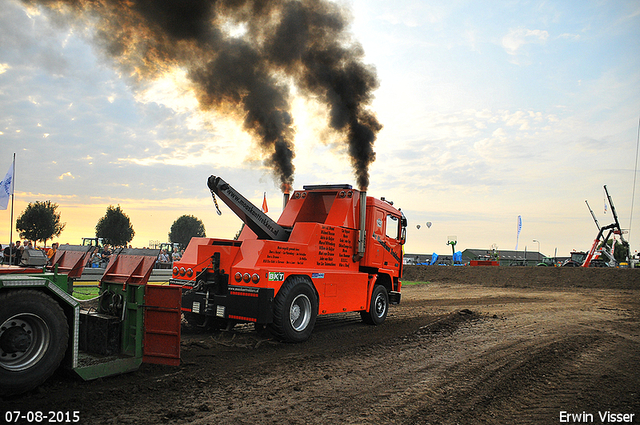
column 245, row 56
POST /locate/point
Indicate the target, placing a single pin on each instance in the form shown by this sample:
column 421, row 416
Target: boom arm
column 615, row 215
column 260, row 223
column 592, row 214
column 612, row 228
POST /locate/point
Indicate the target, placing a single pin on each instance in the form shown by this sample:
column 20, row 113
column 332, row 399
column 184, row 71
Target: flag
column 519, row 224
column 6, row 189
column 519, row 228
column 264, row 208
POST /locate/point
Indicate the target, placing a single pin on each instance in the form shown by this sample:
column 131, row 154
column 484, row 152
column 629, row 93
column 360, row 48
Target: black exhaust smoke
column 243, row 57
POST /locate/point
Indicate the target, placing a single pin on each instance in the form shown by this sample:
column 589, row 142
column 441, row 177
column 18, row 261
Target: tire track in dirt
column 446, row 355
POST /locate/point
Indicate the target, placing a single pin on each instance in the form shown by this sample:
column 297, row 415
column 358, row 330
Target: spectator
column 9, row 253
column 95, row 259
column 52, row 251
column 19, row 249
column 105, row 256
column 163, row 260
column 175, row 255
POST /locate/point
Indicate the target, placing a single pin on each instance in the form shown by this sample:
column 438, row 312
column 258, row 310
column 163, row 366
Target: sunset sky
column 490, row 111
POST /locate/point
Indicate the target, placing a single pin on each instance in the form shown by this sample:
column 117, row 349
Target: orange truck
column 333, row 250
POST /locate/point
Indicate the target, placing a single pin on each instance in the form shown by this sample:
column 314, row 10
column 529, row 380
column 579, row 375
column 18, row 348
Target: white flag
column 6, row 189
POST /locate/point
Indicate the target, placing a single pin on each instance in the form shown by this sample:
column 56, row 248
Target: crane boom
column 593, row 215
column 260, row 223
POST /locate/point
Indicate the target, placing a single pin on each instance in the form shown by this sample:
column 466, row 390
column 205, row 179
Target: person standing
column 9, row 254
column 52, row 251
column 105, row 256
column 18, row 253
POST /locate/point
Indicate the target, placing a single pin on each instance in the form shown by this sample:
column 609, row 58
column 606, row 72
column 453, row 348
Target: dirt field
column 504, row 346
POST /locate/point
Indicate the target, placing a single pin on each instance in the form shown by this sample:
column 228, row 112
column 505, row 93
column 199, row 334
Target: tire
column 378, row 308
column 295, row 309
column 34, row 335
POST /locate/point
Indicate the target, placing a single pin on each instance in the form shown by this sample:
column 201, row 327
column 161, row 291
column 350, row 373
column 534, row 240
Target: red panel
column 70, row 262
column 162, row 318
column 483, row 263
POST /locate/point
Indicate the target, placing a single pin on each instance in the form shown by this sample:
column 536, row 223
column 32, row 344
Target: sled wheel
column 295, row 310
column 33, row 339
column 194, row 319
column 378, row 308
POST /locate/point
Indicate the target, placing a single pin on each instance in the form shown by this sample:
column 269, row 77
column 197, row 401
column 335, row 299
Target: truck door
column 392, row 256
column 374, row 253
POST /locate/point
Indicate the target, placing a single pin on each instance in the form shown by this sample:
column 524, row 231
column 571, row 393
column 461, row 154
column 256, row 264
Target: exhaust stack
column 362, row 233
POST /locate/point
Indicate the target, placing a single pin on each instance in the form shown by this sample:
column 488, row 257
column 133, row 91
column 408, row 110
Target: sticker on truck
column 276, row 276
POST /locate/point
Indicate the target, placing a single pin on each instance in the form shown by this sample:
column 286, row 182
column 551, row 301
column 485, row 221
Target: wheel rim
column 380, row 305
column 24, row 338
column 300, row 312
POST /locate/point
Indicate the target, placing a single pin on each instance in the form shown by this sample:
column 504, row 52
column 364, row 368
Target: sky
column 490, row 111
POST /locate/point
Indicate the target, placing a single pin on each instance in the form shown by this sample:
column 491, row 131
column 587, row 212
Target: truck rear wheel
column 294, row 310
column 378, row 308
column 33, row 339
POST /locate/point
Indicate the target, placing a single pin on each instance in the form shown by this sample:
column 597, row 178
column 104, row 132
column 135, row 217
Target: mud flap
column 162, row 319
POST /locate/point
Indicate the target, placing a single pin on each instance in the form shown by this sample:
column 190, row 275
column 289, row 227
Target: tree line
column 40, row 222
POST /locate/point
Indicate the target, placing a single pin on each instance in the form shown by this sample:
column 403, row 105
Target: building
column 504, row 257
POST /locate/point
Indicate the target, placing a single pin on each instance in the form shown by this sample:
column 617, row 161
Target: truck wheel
column 378, row 308
column 294, row 311
column 33, row 339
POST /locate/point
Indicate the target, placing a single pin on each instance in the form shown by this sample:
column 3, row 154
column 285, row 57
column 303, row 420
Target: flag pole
column 13, row 179
column 13, row 172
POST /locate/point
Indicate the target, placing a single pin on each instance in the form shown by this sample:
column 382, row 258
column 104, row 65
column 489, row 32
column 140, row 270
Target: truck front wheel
column 378, row 308
column 33, row 339
column 295, row 310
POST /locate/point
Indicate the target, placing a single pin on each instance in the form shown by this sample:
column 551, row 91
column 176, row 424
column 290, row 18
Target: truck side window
column 392, row 226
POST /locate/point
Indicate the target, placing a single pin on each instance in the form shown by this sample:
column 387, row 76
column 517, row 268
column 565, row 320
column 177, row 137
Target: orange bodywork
column 322, row 246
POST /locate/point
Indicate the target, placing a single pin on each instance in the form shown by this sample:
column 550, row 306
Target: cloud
column 516, row 38
column 569, row 36
column 65, row 175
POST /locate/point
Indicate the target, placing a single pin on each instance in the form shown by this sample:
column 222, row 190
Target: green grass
column 85, row 293
column 406, row 282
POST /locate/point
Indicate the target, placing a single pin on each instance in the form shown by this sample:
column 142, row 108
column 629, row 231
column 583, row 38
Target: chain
column 215, row 202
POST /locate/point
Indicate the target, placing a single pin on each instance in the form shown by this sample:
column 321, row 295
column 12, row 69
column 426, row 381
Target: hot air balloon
column 428, row 224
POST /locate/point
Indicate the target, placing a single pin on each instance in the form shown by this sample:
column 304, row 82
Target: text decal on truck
column 387, row 248
column 276, row 276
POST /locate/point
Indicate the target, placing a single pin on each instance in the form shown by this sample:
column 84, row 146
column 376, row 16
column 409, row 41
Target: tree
column 184, row 228
column 40, row 222
column 621, row 251
column 115, row 227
